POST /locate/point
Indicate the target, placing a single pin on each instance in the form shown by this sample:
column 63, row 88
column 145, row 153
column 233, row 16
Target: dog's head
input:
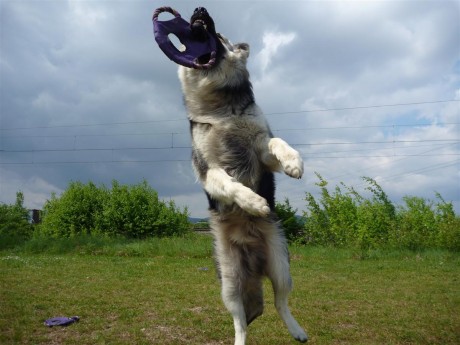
column 201, row 24
column 224, row 87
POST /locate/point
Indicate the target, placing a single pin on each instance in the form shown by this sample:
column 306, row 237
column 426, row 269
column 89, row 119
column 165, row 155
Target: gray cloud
column 87, row 77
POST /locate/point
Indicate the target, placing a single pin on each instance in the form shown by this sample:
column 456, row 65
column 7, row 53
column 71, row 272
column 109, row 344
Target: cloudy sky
column 362, row 88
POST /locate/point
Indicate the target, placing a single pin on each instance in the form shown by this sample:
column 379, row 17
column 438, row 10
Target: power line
column 267, row 114
column 92, row 125
column 366, row 127
column 377, row 142
column 384, row 156
column 363, row 107
column 424, row 169
column 433, row 147
column 440, row 124
column 357, row 172
column 440, row 165
column 96, row 149
column 96, row 162
column 189, row 147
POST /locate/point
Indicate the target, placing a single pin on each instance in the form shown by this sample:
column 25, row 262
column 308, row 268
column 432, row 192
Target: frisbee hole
column 176, row 43
column 165, row 16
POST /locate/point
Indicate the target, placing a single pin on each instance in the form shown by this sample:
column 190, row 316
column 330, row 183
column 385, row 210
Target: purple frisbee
column 194, row 49
column 61, row 321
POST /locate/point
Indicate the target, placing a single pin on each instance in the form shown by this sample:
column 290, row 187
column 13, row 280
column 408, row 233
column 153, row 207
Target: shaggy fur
column 234, row 156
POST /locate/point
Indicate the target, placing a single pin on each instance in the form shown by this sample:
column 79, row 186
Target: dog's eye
column 201, row 10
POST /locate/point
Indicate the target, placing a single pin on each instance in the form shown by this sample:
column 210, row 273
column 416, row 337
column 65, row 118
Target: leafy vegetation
column 344, row 218
column 14, row 223
column 290, row 222
column 341, row 217
column 129, row 211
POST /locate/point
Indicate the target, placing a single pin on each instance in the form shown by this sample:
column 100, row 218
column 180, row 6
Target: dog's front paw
column 252, row 203
column 290, row 159
column 293, row 165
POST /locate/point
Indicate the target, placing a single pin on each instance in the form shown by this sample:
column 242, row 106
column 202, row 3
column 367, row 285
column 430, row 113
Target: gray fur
column 234, row 156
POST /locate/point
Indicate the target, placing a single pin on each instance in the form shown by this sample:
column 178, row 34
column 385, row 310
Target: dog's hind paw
column 252, row 203
column 302, row 338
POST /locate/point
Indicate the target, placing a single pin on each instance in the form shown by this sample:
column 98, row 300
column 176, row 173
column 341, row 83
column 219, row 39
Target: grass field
column 166, row 292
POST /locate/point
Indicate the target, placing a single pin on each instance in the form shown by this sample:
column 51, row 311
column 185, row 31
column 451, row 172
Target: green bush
column 332, row 221
column 14, row 223
column 130, row 211
column 345, row 218
column 416, row 224
column 424, row 224
column 74, row 212
column 448, row 236
column 291, row 224
column 376, row 217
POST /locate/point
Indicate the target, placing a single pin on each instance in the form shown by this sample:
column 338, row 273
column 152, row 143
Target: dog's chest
column 237, row 138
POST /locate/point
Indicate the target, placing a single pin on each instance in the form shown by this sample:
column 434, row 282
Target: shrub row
column 343, row 217
column 131, row 211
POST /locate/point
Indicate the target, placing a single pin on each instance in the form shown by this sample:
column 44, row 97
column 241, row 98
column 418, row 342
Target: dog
column 235, row 155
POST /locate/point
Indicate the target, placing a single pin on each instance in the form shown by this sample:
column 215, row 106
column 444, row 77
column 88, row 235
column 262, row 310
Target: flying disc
column 61, row 321
column 194, row 49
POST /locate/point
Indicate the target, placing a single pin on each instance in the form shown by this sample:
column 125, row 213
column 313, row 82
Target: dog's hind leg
column 229, row 271
column 278, row 272
column 244, row 300
column 234, row 304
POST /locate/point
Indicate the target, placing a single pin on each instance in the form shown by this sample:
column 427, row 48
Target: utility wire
column 267, row 114
column 363, row 107
column 189, row 147
column 440, row 124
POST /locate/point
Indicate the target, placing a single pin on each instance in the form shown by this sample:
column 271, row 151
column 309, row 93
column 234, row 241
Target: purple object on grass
column 181, row 29
column 61, row 321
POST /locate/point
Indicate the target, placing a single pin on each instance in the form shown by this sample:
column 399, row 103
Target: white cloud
column 272, row 42
column 35, row 189
column 87, row 14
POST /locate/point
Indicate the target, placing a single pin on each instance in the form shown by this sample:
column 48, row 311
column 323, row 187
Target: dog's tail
column 253, row 299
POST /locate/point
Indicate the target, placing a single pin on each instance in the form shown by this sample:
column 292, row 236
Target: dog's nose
column 200, row 10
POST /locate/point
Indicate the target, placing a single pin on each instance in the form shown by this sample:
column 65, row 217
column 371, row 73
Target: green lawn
column 143, row 293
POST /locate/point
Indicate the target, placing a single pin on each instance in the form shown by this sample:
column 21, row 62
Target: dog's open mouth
column 201, row 24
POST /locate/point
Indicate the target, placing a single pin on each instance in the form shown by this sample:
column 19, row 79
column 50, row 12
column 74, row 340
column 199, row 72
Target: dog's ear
column 242, row 48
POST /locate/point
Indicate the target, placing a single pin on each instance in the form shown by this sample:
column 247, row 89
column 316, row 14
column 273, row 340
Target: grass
column 165, row 291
